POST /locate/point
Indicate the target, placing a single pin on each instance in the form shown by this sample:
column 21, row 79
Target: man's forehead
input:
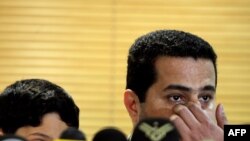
column 185, row 71
column 175, row 65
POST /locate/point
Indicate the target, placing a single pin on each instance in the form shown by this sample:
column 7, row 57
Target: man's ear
column 132, row 104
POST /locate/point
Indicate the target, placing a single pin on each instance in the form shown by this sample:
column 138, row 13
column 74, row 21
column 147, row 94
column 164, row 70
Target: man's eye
column 205, row 98
column 35, row 138
column 175, row 98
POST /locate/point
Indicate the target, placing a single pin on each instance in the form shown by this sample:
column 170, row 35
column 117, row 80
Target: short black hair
column 25, row 102
column 141, row 73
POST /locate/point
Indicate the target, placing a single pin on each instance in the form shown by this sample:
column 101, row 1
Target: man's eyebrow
column 177, row 87
column 185, row 88
column 208, row 88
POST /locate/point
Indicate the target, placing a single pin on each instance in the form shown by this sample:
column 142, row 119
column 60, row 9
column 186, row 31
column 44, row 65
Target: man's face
column 51, row 127
column 180, row 81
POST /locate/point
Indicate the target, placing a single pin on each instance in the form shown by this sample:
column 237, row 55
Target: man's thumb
column 221, row 116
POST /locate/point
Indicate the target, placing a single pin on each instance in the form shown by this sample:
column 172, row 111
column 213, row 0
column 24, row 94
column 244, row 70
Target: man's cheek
column 210, row 111
column 211, row 106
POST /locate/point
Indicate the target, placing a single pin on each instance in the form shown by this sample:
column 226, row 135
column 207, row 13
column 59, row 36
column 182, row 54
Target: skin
column 184, row 92
column 51, row 127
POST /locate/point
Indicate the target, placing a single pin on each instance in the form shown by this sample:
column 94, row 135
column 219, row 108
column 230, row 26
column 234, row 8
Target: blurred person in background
column 37, row 110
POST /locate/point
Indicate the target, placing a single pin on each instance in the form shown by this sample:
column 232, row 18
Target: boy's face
column 178, row 81
column 51, row 127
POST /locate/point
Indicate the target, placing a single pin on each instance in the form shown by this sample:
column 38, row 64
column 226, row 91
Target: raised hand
column 194, row 124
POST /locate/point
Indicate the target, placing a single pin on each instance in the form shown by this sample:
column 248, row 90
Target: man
column 37, row 109
column 173, row 74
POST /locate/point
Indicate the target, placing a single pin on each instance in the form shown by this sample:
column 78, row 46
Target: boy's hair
column 25, row 102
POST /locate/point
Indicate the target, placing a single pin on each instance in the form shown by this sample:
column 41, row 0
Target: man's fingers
column 198, row 113
column 181, row 126
column 185, row 114
column 221, row 116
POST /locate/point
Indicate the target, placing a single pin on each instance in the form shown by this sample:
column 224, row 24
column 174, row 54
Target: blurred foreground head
column 155, row 129
column 109, row 134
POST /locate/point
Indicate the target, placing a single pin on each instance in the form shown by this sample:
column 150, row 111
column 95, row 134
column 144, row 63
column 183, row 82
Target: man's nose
column 194, row 100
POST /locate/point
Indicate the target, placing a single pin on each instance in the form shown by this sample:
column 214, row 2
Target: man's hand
column 194, row 124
